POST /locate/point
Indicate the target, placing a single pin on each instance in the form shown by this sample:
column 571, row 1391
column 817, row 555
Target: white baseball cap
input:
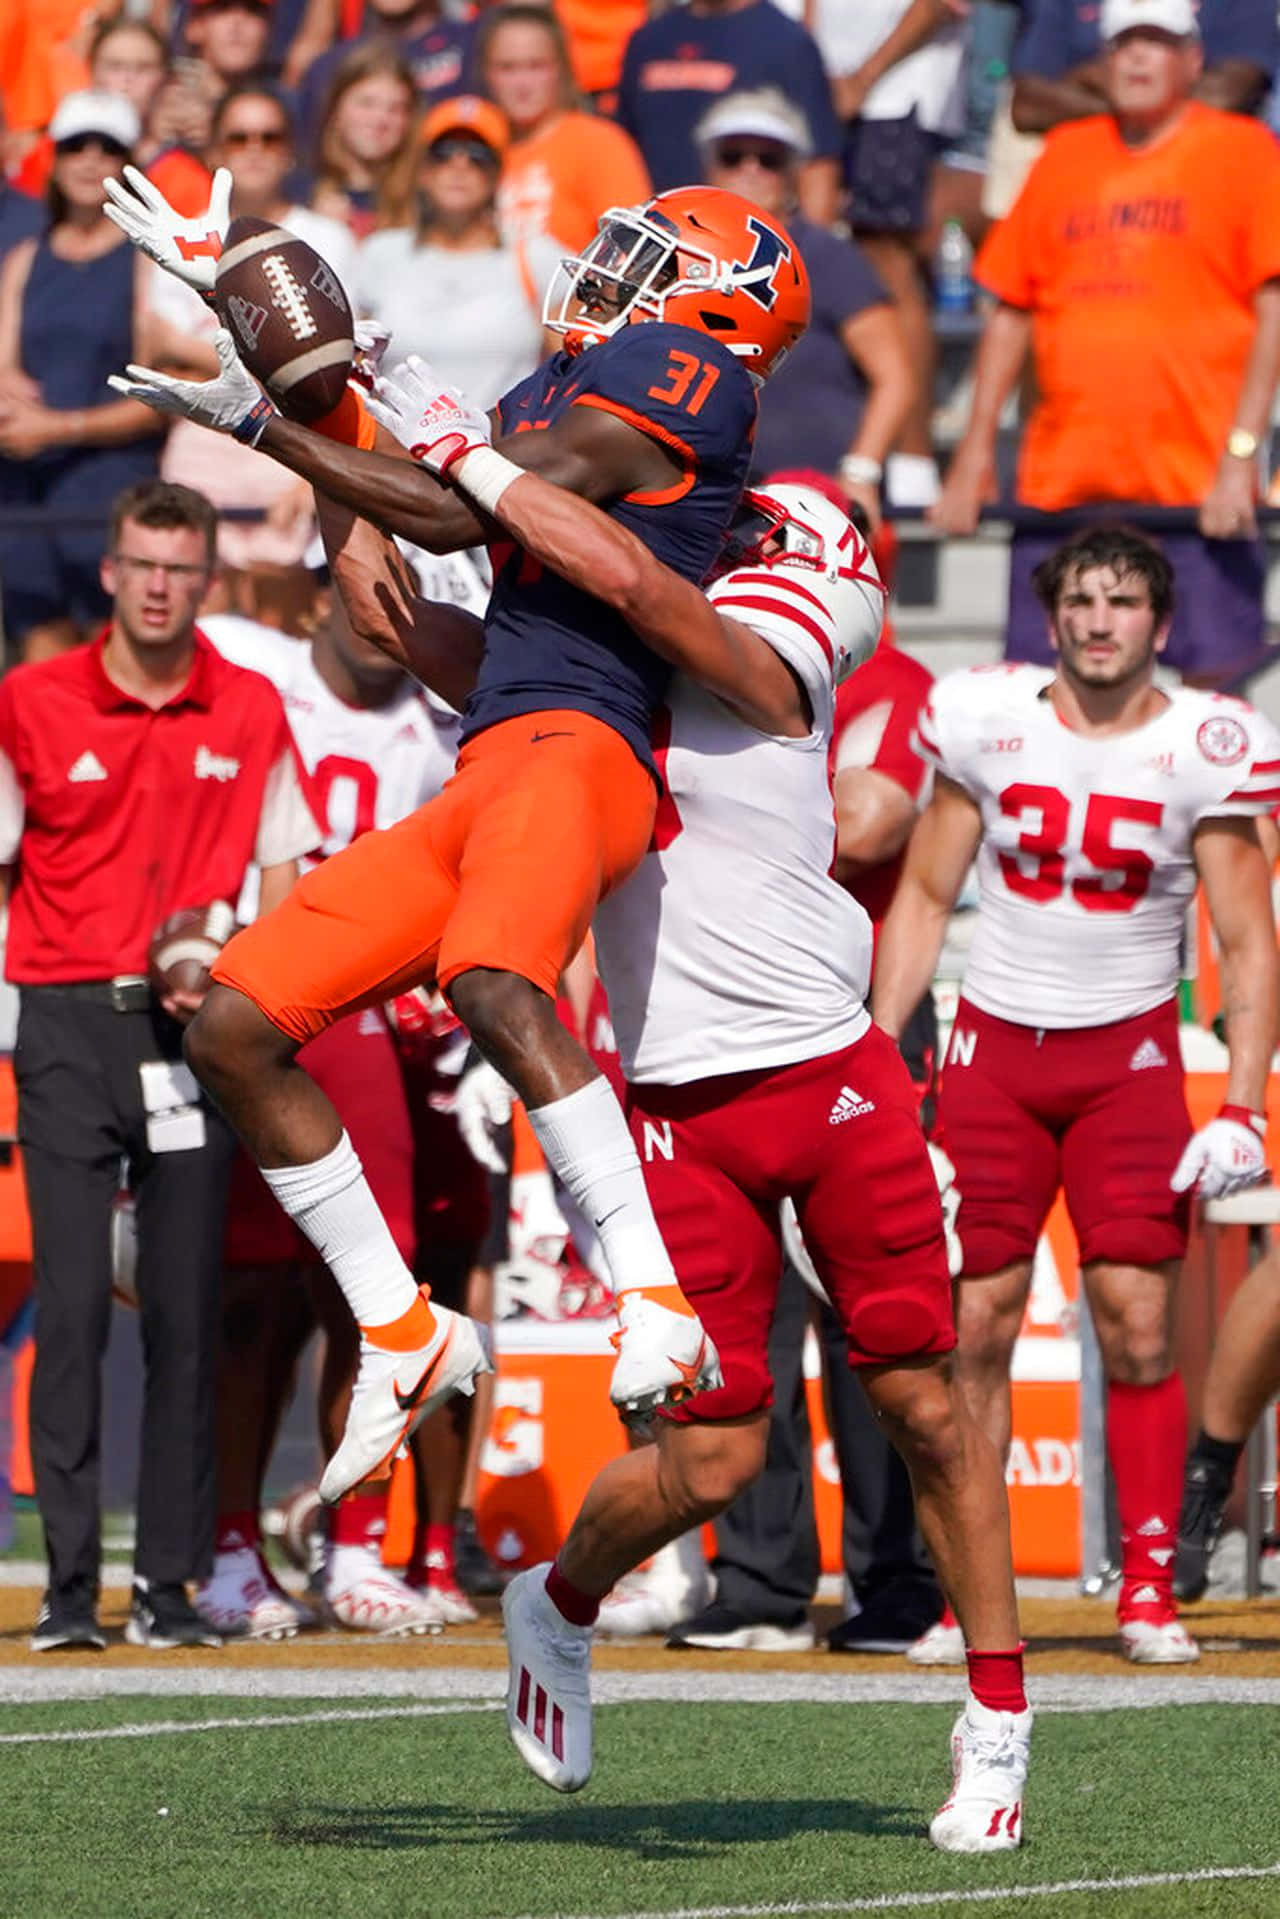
column 1170, row 16
column 762, row 113
column 93, row 111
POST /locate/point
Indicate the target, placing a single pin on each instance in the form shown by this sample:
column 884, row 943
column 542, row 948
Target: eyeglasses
column 440, row 152
column 255, row 137
column 179, row 572
column 85, row 142
column 772, row 159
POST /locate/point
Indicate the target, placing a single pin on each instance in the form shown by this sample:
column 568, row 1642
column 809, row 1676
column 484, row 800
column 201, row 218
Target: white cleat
column 942, row 1645
column 241, row 1600
column 393, row 1394
column 666, row 1594
column 1164, row 1642
column 990, row 1752
column 548, row 1684
column 432, row 1577
column 663, row 1357
column 364, row 1596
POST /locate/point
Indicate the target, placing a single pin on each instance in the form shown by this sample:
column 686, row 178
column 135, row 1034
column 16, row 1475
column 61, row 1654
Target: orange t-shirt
column 597, row 32
column 560, row 180
column 1139, row 271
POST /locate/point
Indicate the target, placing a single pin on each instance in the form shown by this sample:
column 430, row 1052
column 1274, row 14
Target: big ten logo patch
column 516, row 1443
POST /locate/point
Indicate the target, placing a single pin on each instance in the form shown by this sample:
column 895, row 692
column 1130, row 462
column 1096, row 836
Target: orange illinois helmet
column 696, row 257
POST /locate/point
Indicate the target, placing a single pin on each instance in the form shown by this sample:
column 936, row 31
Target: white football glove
column 1221, row 1158
column 949, row 1193
column 482, row 1108
column 371, row 342
column 232, row 403
column 189, row 248
column 435, row 422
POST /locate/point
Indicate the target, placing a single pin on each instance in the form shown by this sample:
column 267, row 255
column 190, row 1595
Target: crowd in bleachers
column 894, row 134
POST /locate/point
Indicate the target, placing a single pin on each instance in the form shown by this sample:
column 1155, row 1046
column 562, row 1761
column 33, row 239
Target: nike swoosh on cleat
column 407, row 1401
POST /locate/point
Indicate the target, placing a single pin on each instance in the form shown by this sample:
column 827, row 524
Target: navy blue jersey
column 548, row 644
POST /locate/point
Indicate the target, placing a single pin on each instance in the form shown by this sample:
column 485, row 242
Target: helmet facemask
column 621, row 275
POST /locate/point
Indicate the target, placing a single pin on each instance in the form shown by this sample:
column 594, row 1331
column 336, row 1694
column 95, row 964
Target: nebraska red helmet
column 696, row 257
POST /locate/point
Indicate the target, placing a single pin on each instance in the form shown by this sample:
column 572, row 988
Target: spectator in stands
column 368, row 146
column 842, row 393
column 21, row 214
column 598, row 31
column 898, row 84
column 1141, row 263
column 262, row 574
column 98, row 863
column 563, row 168
column 231, row 39
column 676, row 63
column 436, row 49
column 453, row 288
column 1060, row 69
column 70, row 306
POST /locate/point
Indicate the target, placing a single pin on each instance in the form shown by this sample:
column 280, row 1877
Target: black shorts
column 888, row 165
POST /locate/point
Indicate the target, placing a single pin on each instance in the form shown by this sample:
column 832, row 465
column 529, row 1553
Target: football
column 185, row 947
column 288, row 315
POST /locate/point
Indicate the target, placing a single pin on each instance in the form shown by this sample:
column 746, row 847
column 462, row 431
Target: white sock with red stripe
column 332, row 1203
column 585, row 1138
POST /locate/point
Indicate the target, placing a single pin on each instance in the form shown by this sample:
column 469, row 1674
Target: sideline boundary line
column 971, row 1896
column 156, row 1728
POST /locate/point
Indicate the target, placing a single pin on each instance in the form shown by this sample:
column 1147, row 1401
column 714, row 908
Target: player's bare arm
column 941, row 851
column 1237, row 886
column 670, row 614
column 874, row 818
column 439, row 645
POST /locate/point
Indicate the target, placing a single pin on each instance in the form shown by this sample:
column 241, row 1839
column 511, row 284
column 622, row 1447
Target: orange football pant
column 544, row 815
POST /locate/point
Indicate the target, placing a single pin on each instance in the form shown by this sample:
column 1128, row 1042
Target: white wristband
column 859, row 469
column 484, row 474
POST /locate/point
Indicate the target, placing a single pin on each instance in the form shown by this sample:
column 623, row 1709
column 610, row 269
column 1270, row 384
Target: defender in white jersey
column 376, row 747
column 739, row 968
column 1093, row 801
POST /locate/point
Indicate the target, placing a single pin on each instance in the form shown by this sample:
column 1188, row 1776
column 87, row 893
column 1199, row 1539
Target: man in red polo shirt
column 138, row 776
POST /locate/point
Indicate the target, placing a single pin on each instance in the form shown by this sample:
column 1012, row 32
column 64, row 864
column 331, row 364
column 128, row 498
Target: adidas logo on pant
column 1147, row 1054
column 849, row 1106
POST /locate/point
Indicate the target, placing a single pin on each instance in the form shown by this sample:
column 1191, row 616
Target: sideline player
column 375, row 749
column 490, row 890
column 1093, row 800
column 736, row 969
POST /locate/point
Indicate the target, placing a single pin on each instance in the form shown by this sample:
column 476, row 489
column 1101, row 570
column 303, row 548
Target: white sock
column 586, row 1141
column 332, row 1203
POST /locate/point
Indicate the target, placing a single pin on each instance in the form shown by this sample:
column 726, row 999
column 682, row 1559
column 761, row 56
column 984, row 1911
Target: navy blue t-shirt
column 679, row 64
column 548, row 644
column 810, row 408
column 21, row 217
column 1062, row 34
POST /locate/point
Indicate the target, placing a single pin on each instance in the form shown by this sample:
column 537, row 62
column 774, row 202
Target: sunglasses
column 256, row 137
column 772, row 159
column 440, row 152
column 83, row 142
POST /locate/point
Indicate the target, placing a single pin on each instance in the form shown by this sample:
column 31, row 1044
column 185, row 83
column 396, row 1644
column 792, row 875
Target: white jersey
column 369, row 766
column 730, row 948
column 1085, row 867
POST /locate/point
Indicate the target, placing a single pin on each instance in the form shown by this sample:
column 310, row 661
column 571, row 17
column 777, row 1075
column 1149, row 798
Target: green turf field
column 364, row 1806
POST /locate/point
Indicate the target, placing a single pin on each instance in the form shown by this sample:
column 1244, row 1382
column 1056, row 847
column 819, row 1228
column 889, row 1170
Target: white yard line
column 156, row 1728
column 973, row 1896
column 1063, row 1692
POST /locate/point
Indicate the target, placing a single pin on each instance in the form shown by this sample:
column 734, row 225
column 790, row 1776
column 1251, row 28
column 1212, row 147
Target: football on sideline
column 288, row 315
column 185, row 947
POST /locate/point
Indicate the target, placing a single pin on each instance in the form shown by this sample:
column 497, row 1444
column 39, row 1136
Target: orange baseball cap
column 467, row 113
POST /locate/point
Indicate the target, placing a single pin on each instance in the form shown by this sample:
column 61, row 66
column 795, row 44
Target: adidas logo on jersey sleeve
column 850, row 1105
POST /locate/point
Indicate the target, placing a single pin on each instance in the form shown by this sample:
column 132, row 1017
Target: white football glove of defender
column 371, row 342
column 232, row 403
column 435, row 422
column 482, row 1108
column 189, row 248
column 1228, row 1153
